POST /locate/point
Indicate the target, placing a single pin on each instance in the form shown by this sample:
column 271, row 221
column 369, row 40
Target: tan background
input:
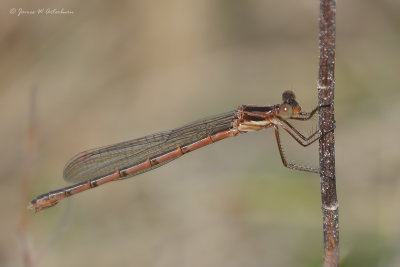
column 118, row 70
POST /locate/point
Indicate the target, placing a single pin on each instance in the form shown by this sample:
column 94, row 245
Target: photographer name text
column 40, row 11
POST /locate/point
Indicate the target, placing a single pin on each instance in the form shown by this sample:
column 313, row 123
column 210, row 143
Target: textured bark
column 326, row 85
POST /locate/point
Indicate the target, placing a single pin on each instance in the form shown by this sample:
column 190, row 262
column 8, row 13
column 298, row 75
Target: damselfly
column 98, row 166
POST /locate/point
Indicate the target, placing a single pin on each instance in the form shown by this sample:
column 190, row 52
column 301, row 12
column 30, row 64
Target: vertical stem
column 326, row 85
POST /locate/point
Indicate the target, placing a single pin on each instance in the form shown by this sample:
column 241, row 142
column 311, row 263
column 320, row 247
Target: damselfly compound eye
column 285, row 111
column 288, row 96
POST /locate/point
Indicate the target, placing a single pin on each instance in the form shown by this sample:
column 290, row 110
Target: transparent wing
column 105, row 160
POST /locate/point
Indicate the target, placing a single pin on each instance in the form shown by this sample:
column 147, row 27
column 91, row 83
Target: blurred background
column 113, row 71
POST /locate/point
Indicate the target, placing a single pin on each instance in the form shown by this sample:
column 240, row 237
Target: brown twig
column 326, row 85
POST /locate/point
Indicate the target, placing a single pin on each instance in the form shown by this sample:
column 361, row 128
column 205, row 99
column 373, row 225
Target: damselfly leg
column 298, row 137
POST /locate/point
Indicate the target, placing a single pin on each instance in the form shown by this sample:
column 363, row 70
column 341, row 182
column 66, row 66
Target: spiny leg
column 278, row 141
column 300, row 138
column 284, row 161
column 310, row 140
